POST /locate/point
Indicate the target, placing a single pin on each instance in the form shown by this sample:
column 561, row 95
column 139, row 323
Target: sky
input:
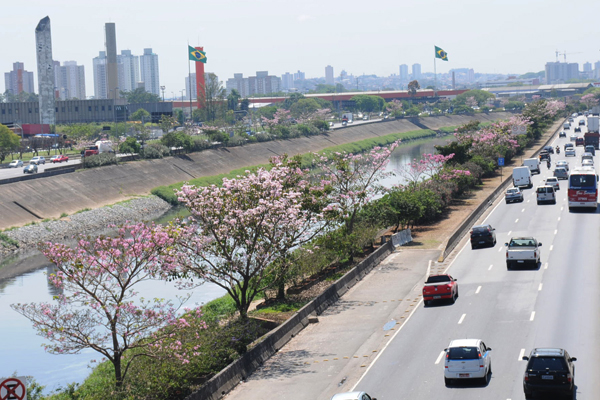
column 281, row 36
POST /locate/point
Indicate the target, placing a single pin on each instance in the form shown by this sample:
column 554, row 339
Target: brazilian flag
column 439, row 53
column 196, row 55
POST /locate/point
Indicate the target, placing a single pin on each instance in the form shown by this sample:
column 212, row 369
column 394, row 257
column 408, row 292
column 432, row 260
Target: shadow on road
column 287, row 364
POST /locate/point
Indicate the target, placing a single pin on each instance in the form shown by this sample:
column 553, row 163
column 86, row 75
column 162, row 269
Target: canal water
column 21, row 350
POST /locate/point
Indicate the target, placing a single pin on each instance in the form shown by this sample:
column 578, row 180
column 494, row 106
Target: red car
column 59, row 159
column 440, row 287
column 579, row 142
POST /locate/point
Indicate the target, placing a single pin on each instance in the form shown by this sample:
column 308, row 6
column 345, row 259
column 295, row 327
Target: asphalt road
column 512, row 311
column 6, row 173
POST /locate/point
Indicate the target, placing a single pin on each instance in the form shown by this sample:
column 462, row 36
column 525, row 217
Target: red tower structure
column 200, row 84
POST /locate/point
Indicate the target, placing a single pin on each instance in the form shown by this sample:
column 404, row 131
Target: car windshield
column 521, row 243
column 438, row 279
column 547, row 363
column 512, row 191
column 463, row 353
column 583, row 181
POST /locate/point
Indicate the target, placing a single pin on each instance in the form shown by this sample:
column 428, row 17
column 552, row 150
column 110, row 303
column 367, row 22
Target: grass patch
column 63, row 215
column 83, row 210
column 47, row 220
column 284, row 307
column 7, row 241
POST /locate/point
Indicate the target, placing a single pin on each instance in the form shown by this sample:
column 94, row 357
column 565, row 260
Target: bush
column 99, row 160
column 236, row 141
column 320, row 125
column 200, row 143
column 263, row 137
column 487, row 166
column 155, row 150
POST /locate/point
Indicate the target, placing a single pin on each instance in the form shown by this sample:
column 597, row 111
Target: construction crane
column 558, row 53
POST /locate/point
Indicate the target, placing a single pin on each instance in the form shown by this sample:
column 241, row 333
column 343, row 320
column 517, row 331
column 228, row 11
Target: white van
column 545, row 194
column 533, row 164
column 522, row 177
column 567, row 126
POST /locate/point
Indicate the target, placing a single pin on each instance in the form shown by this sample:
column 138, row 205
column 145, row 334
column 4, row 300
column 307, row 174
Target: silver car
column 570, row 151
column 512, row 195
column 352, row 396
column 15, row 164
column 561, row 173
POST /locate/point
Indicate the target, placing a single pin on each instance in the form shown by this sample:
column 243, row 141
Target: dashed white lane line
column 440, row 357
column 561, row 208
column 523, row 210
column 478, row 290
column 532, row 316
column 540, row 287
column 546, row 266
column 528, row 201
column 517, row 220
column 509, row 232
column 462, row 318
column 559, row 218
column 499, row 249
column 551, row 247
column 555, row 231
column 521, row 354
column 491, row 265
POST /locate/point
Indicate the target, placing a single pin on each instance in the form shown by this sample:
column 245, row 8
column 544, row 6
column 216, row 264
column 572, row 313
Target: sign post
column 13, row 389
column 501, row 164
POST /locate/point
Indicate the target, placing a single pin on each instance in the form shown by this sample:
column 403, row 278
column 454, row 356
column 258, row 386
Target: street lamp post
column 163, row 90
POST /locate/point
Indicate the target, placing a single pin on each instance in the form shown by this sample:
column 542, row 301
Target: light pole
column 163, row 90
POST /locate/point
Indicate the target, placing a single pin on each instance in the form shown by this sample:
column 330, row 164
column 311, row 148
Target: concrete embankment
column 37, row 199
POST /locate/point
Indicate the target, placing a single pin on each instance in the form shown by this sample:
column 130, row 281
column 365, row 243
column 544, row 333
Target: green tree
column 167, row 122
column 322, row 88
column 139, row 115
column 212, row 103
column 304, row 108
column 480, row 96
column 129, row 146
column 368, row 104
column 291, row 99
column 232, row 100
column 140, row 95
column 180, row 117
column 413, row 86
column 245, row 104
column 9, row 142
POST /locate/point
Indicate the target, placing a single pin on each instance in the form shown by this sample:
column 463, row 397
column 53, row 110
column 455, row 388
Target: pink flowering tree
column 589, row 100
column 352, row 180
column 428, row 167
column 97, row 307
column 237, row 231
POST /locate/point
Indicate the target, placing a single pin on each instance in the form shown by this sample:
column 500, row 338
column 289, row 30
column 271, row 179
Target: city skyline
column 321, row 32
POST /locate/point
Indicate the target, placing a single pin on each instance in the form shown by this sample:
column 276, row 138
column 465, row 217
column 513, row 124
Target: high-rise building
column 299, row 76
column 587, row 67
column 557, row 72
column 329, row 75
column 149, row 72
column 129, row 71
column 287, row 81
column 100, row 84
column 194, row 86
column 112, row 69
column 597, row 69
column 403, row 72
column 18, row 80
column 262, row 83
column 471, row 75
column 43, row 39
column 416, row 71
column 69, row 80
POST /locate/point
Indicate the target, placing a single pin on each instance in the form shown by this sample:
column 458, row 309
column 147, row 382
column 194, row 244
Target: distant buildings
column 129, row 71
column 18, row 80
column 194, row 91
column 100, row 84
column 416, row 71
column 262, row 83
column 404, row 72
column 329, row 80
column 149, row 71
column 299, row 76
column 287, row 81
column 557, row 72
column 69, row 80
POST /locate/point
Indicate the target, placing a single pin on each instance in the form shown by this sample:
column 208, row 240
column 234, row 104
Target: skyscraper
column 329, row 75
column 557, row 72
column 403, row 72
column 18, row 80
column 100, row 84
column 287, row 81
column 69, row 80
column 299, row 76
column 149, row 72
column 129, row 71
column 43, row 39
column 587, row 67
column 112, row 70
column 416, row 71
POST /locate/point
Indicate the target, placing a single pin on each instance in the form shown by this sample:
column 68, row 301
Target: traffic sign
column 500, row 161
column 13, row 389
column 519, row 130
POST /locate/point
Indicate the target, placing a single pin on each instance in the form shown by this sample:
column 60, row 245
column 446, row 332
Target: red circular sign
column 12, row 389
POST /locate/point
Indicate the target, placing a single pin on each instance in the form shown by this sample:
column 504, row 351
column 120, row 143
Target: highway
column 512, row 311
column 6, row 173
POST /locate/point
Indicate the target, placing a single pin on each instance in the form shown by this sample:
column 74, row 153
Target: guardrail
column 240, row 369
column 474, row 216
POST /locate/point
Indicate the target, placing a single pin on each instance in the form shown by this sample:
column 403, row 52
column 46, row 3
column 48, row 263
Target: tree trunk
column 118, row 373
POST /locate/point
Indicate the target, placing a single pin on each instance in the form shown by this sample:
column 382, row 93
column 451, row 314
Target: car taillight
column 506, row 253
column 526, row 377
column 535, row 254
column 569, row 378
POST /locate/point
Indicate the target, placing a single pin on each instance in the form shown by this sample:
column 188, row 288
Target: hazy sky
column 285, row 36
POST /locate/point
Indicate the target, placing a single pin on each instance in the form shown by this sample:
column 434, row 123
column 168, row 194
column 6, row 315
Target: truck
column 523, row 250
column 592, row 136
column 101, row 146
column 522, row 177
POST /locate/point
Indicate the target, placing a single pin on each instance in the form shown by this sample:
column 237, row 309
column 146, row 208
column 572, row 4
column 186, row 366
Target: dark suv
column 549, row 370
column 482, row 234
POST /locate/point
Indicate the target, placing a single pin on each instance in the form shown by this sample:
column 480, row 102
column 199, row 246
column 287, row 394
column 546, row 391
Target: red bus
column 583, row 188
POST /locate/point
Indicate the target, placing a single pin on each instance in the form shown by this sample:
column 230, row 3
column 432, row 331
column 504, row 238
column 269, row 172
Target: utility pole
column 163, row 90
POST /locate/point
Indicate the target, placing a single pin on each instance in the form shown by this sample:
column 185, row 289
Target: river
column 21, row 349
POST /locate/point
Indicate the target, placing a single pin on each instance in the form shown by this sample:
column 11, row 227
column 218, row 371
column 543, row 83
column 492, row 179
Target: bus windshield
column 582, row 181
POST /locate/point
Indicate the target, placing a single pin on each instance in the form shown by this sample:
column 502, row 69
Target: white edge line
column 491, row 265
column 546, row 266
column 440, row 357
column 478, row 289
column 532, row 316
column 494, row 209
column 540, row 287
column 462, row 318
column 387, row 344
column 521, row 354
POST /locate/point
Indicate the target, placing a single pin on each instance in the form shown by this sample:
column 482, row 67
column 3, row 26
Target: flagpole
column 435, row 78
column 190, row 84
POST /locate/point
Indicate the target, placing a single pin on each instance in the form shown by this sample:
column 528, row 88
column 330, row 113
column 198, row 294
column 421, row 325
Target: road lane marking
column 555, row 231
column 540, row 287
column 532, row 316
column 528, row 201
column 546, row 266
column 499, row 249
column 517, row 220
column 523, row 210
column 559, row 218
column 551, row 247
column 491, row 265
column 462, row 318
column 509, row 232
column 440, row 357
column 521, row 354
column 561, row 208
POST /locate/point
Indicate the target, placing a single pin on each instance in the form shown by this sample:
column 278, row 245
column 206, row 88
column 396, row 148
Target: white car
column 545, row 194
column 570, row 151
column 587, row 163
column 38, row 160
column 573, row 138
column 15, row 164
column 467, row 359
column 552, row 182
column 563, row 164
column 352, row 396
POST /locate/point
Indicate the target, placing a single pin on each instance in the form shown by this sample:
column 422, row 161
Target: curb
column 474, row 216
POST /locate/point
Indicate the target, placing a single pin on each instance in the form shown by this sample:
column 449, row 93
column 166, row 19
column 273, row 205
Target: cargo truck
column 592, row 136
